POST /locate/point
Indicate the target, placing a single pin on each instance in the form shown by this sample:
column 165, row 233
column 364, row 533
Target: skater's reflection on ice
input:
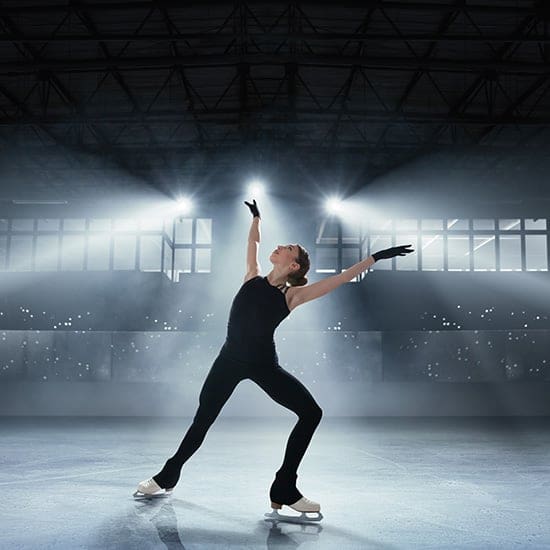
column 166, row 523
column 282, row 535
column 162, row 515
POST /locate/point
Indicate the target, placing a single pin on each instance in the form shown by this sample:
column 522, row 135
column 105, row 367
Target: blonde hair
column 298, row 278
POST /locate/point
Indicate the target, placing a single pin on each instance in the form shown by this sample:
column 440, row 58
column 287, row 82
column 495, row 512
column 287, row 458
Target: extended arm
column 316, row 290
column 310, row 292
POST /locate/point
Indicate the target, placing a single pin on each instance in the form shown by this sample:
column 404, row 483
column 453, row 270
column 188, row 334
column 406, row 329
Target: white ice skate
column 304, row 505
column 150, row 489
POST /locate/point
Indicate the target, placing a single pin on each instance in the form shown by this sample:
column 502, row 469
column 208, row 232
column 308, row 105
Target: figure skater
column 249, row 353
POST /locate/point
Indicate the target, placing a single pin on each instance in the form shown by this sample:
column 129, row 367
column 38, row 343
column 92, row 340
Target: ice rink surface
column 384, row 483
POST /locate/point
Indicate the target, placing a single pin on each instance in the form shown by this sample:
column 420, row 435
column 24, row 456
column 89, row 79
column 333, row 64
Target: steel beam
column 323, row 61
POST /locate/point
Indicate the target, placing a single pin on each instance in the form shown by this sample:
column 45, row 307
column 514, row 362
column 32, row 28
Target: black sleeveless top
column 257, row 309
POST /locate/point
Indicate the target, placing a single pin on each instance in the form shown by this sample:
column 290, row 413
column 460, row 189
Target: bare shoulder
column 251, row 274
column 291, row 297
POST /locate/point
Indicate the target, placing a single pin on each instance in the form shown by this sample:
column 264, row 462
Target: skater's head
column 293, row 260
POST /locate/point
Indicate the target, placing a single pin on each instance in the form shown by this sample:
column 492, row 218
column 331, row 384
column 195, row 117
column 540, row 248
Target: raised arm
column 252, row 264
column 307, row 293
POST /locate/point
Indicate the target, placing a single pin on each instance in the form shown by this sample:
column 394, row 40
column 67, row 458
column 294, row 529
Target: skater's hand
column 391, row 252
column 253, row 208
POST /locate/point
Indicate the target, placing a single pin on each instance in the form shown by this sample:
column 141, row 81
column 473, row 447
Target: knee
column 318, row 414
column 314, row 414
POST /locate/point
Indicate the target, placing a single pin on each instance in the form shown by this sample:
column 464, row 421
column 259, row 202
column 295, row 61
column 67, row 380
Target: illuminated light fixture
column 256, row 188
column 184, row 205
column 38, row 202
column 334, row 205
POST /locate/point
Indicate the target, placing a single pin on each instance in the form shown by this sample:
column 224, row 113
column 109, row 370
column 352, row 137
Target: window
column 99, row 252
column 406, row 225
column 45, row 225
column 379, row 225
column 100, row 224
column 182, row 262
column 458, row 252
column 72, row 252
column 24, row 224
column 484, row 253
column 3, row 252
column 202, row 260
column 100, row 244
column 410, row 261
column 432, row 225
column 126, row 225
column 458, row 225
column 191, row 255
column 327, row 232
column 432, row 252
column 20, row 258
column 326, row 260
column 184, row 231
column 124, row 252
column 510, row 253
column 47, row 252
column 453, row 244
column 535, row 253
column 74, row 224
column 149, row 252
column 151, row 224
column 509, row 224
column 484, row 224
column 204, row 231
column 167, row 259
column 535, row 224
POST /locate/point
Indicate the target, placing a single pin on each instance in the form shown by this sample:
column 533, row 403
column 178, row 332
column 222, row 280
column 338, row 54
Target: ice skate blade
column 138, row 495
column 302, row 518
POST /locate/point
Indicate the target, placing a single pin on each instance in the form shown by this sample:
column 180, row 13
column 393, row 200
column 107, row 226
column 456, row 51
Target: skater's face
column 285, row 256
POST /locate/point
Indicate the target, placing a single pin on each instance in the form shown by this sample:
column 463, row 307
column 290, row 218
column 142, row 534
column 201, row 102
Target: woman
column 249, row 353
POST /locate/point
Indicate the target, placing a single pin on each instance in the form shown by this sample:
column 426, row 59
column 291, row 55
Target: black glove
column 391, row 252
column 253, row 209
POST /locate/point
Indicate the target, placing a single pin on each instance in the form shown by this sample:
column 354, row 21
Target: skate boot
column 150, row 489
column 284, row 492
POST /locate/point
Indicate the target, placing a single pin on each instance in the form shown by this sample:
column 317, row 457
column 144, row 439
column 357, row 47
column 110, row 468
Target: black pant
column 222, row 379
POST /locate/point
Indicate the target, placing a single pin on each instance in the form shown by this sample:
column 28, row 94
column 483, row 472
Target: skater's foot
column 301, row 505
column 150, row 488
column 304, row 506
column 284, row 491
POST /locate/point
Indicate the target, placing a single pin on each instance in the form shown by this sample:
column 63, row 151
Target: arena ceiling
column 153, row 85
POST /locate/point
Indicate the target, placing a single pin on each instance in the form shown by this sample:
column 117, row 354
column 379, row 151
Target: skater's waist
column 250, row 354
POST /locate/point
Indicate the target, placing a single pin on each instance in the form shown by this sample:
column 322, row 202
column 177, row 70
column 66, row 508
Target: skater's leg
column 288, row 391
column 216, row 390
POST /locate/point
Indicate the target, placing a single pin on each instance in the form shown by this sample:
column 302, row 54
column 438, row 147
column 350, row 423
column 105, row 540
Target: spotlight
column 256, row 188
column 334, row 205
column 184, row 205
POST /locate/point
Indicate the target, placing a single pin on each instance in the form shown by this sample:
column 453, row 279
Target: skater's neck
column 277, row 277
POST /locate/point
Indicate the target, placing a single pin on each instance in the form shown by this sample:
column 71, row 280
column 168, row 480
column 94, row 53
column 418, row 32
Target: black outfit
column 249, row 353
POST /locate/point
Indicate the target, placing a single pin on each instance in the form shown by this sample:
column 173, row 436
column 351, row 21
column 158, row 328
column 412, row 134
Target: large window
column 453, row 244
column 172, row 246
